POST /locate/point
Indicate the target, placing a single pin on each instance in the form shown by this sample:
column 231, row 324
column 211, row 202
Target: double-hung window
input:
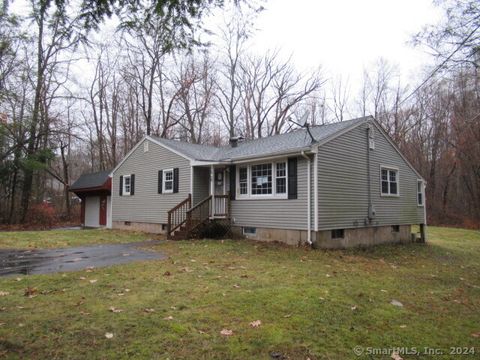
column 263, row 180
column 243, row 180
column 127, row 185
column 389, row 181
column 281, row 178
column 168, row 181
column 420, row 193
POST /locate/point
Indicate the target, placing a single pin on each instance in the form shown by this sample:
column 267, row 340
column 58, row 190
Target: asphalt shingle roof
column 295, row 140
column 91, row 180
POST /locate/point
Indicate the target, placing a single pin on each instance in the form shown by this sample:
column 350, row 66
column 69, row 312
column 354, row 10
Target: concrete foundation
column 367, row 236
column 139, row 226
column 289, row 237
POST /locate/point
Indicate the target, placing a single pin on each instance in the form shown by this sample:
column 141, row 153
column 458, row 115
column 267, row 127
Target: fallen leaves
column 149, row 310
column 168, row 318
column 30, row 292
column 396, row 356
column 114, row 309
column 396, row 303
column 93, row 281
column 4, row 293
column 109, row 335
column 255, row 323
column 476, row 335
column 226, row 332
column 167, row 273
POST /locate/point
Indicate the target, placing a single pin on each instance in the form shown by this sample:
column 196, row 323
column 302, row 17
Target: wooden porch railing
column 190, row 217
column 221, row 206
column 199, row 213
column 177, row 216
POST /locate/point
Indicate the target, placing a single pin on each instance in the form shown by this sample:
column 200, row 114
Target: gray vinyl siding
column 147, row 205
column 343, row 186
column 201, row 184
column 276, row 213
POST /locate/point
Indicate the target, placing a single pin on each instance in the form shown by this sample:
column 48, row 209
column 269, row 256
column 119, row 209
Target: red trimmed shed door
column 103, row 210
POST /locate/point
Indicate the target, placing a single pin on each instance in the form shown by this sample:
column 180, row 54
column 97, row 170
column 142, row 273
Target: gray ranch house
column 335, row 185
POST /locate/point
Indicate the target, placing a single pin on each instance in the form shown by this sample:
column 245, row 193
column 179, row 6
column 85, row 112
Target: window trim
column 396, row 169
column 124, row 191
column 249, row 233
column 164, row 181
column 273, row 195
column 334, row 234
column 422, row 191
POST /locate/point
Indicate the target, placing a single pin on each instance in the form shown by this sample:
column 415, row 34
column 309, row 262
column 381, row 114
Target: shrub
column 42, row 215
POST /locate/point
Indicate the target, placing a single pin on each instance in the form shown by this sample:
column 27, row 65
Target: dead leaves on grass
column 30, row 292
column 114, row 310
column 226, row 332
column 396, row 303
column 396, row 356
column 255, row 323
column 4, row 293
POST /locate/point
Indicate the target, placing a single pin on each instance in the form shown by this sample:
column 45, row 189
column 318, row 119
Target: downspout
column 309, row 200
column 370, row 146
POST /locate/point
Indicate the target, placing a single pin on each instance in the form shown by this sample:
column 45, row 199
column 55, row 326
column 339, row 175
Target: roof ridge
column 264, row 145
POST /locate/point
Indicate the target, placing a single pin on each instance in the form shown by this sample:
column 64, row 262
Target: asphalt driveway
column 45, row 261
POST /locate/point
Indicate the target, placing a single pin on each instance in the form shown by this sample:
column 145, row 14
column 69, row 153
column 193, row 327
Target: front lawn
column 311, row 303
column 66, row 238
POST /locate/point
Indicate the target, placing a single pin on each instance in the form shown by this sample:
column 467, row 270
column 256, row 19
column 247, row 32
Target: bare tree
column 340, row 95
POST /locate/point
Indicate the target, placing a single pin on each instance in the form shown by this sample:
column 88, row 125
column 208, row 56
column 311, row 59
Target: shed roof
column 90, row 180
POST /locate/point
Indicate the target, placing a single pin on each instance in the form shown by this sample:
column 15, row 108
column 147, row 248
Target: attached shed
column 94, row 189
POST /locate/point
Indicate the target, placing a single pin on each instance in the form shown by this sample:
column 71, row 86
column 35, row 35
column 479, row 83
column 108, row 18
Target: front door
column 219, row 182
column 219, row 186
column 103, row 211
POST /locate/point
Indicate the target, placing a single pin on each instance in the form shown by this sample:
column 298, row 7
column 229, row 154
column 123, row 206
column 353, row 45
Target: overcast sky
column 343, row 36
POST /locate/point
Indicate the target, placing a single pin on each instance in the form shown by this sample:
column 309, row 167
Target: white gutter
column 309, row 199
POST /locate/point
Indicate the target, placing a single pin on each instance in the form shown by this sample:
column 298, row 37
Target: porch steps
column 187, row 222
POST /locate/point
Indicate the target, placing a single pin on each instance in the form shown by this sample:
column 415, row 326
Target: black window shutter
column 132, row 184
column 160, row 181
column 233, row 181
column 120, row 188
column 175, row 180
column 292, row 178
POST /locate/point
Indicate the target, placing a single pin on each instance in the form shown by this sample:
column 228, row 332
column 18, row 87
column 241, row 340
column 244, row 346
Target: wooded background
column 76, row 96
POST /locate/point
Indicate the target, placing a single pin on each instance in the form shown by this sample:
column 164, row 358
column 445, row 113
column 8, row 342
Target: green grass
column 66, row 238
column 312, row 303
